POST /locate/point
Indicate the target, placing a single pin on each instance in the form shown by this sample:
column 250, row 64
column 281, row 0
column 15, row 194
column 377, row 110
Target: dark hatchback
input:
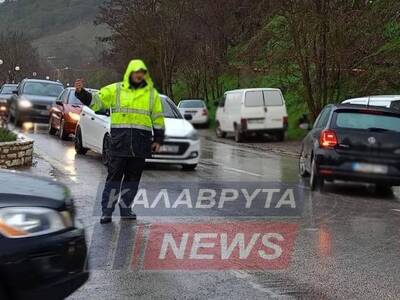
column 42, row 251
column 353, row 143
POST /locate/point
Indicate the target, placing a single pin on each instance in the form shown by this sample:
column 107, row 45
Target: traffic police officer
column 137, row 129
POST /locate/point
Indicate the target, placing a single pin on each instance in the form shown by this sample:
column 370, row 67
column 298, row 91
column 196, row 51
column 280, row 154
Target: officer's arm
column 100, row 101
column 157, row 118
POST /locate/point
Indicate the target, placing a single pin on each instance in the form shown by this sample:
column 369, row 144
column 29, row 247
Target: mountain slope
column 59, row 28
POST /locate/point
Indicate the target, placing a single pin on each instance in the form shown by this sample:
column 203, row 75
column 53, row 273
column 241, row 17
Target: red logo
column 220, row 246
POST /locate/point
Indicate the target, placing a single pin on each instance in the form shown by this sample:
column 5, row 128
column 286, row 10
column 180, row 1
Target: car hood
column 39, row 99
column 17, row 189
column 5, row 96
column 177, row 127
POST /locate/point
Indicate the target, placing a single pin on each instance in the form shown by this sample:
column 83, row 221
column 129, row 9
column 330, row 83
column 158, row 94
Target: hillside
column 58, row 28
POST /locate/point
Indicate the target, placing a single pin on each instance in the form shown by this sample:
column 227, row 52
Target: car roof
column 188, row 100
column 42, row 81
column 252, row 90
column 348, row 106
column 88, row 89
column 376, row 98
column 9, row 84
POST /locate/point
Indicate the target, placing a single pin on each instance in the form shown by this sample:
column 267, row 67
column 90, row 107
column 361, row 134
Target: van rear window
column 263, row 98
column 367, row 121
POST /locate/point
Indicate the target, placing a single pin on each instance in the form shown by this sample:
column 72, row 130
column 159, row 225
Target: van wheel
column 239, row 136
column 106, row 150
column 79, row 144
column 219, row 132
column 280, row 137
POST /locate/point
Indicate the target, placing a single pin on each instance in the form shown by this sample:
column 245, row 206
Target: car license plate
column 169, row 149
column 256, row 121
column 370, row 168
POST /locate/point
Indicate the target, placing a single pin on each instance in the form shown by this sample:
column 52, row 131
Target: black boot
column 105, row 219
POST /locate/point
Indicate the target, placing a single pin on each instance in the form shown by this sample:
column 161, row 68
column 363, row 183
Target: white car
column 181, row 145
column 197, row 109
column 384, row 100
column 252, row 111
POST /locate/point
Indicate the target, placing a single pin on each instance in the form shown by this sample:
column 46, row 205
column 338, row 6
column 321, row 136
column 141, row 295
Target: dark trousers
column 124, row 174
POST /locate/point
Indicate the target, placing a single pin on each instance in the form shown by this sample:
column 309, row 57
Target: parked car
column 197, row 109
column 33, row 100
column 252, row 111
column 354, row 143
column 65, row 114
column 42, row 249
column 181, row 145
column 384, row 100
column 6, row 91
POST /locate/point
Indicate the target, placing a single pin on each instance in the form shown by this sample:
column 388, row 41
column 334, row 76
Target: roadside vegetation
column 7, row 136
column 316, row 51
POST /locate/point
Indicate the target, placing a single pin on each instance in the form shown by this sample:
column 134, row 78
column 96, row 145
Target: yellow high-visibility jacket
column 136, row 114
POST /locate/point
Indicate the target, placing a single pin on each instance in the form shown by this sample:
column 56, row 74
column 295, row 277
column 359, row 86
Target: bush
column 7, row 136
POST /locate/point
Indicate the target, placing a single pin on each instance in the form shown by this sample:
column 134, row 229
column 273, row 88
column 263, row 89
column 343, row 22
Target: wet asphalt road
column 346, row 241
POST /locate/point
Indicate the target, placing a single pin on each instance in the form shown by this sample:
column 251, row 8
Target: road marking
column 396, row 210
column 237, row 170
column 244, row 275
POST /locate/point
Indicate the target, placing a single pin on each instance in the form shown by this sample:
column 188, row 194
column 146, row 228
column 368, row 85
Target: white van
column 248, row 111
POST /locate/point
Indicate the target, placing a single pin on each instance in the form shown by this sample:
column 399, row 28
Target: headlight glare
column 74, row 116
column 25, row 103
column 21, row 222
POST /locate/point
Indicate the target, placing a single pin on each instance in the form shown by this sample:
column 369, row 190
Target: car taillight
column 328, row 139
column 285, row 121
column 243, row 124
column 205, row 112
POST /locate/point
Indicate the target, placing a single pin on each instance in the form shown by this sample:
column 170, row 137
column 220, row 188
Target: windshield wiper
column 377, row 129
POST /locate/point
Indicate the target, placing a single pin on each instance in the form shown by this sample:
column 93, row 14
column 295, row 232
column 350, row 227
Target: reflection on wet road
column 345, row 245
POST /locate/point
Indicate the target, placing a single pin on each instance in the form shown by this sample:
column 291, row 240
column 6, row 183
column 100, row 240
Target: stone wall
column 16, row 154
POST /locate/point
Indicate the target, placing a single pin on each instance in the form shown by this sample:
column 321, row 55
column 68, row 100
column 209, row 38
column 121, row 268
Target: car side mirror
column 188, row 117
column 58, row 102
column 104, row 112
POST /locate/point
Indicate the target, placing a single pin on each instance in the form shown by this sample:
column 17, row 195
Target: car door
column 275, row 109
column 87, row 125
column 232, row 111
column 313, row 137
column 100, row 126
column 57, row 110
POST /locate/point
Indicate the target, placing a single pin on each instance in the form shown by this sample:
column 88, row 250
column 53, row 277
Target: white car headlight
column 193, row 135
column 22, row 222
column 25, row 103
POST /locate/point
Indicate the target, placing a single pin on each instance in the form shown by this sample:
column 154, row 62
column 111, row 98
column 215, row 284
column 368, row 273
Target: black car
column 33, row 100
column 353, row 143
column 42, row 251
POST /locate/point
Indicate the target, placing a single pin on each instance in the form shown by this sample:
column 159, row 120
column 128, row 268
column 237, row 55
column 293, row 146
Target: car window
column 221, row 102
column 73, row 100
column 7, row 89
column 366, row 120
column 254, row 99
column 62, row 96
column 42, row 89
column 192, row 104
column 169, row 109
column 273, row 98
column 323, row 118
